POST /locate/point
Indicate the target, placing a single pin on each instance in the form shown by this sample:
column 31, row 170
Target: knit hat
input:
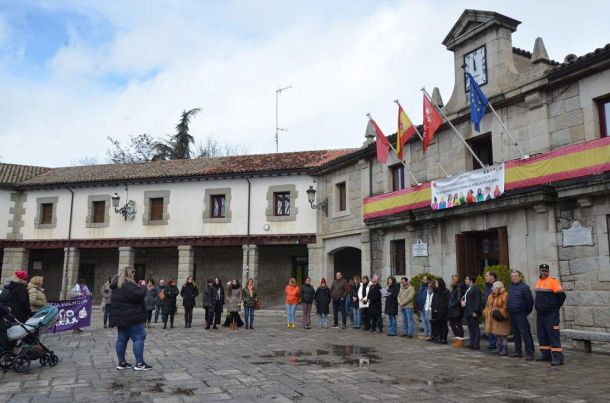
column 323, row 281
column 21, row 275
column 497, row 285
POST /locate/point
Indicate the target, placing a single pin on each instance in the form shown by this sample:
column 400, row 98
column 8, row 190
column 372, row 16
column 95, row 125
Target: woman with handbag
column 250, row 298
column 496, row 317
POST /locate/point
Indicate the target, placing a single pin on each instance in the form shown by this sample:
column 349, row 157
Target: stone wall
column 275, row 268
column 585, row 270
column 51, row 268
column 105, row 261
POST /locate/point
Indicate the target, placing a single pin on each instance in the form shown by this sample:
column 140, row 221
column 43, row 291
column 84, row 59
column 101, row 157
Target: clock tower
column 482, row 45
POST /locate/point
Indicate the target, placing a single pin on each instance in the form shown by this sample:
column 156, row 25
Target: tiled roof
column 528, row 54
column 11, row 174
column 599, row 53
column 256, row 163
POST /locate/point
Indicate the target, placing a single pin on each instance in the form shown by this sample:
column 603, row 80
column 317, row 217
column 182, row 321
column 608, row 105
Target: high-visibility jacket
column 549, row 295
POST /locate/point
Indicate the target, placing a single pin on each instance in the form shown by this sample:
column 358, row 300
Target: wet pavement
column 272, row 363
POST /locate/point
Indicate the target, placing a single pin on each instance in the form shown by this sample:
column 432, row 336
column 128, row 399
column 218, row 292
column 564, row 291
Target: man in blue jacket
column 421, row 302
column 490, row 278
column 520, row 304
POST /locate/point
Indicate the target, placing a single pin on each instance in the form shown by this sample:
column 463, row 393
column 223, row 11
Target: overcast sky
column 73, row 72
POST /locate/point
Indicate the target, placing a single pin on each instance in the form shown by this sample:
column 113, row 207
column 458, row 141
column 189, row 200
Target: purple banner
column 73, row 314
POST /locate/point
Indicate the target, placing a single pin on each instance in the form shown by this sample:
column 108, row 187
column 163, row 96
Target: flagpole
column 523, row 156
column 402, row 162
column 436, row 157
column 457, row 133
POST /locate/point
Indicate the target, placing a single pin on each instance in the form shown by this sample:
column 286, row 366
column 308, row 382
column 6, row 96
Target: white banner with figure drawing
column 468, row 188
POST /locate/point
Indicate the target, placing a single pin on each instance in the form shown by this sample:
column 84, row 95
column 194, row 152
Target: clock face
column 476, row 64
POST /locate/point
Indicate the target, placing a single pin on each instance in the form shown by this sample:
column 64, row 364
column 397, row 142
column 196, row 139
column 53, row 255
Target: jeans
column 492, row 341
column 425, row 320
column 323, row 317
column 188, row 315
column 521, row 330
column 249, row 315
column 356, row 312
column 137, row 334
column 306, row 320
column 106, row 313
column 408, row 326
column 157, row 312
column 339, row 306
column 347, row 309
column 291, row 311
column 474, row 332
column 392, row 325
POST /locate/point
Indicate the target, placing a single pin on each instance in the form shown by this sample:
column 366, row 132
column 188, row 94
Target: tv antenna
column 277, row 127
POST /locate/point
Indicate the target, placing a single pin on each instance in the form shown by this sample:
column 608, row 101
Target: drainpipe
column 370, row 231
column 248, row 233
column 67, row 262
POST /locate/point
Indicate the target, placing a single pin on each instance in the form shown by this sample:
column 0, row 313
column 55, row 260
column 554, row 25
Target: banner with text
column 73, row 314
column 468, row 188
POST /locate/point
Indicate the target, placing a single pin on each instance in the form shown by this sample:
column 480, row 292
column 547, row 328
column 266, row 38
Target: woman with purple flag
column 128, row 315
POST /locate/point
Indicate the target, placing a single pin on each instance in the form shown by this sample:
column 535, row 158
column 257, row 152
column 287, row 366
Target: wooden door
column 465, row 251
column 503, row 241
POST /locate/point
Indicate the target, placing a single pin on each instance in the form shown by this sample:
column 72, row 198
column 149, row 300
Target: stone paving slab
column 272, row 363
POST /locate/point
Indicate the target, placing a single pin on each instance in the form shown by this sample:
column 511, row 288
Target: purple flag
column 73, row 314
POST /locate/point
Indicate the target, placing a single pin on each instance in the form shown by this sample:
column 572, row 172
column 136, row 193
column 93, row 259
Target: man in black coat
column 128, row 315
column 440, row 308
column 209, row 297
column 471, row 301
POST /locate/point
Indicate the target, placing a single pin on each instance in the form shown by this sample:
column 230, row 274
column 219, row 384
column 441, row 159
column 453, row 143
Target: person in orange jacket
column 549, row 298
column 292, row 293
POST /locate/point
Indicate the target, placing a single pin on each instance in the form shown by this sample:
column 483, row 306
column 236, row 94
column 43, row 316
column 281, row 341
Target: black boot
column 165, row 324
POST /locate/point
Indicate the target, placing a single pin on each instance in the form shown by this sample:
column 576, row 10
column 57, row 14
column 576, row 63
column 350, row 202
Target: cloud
column 137, row 66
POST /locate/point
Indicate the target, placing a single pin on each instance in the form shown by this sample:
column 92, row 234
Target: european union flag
column 478, row 102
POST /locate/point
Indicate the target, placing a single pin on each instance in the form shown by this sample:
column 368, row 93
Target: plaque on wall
column 577, row 235
column 420, row 248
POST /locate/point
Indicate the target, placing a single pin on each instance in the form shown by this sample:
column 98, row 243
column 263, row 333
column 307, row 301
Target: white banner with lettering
column 468, row 188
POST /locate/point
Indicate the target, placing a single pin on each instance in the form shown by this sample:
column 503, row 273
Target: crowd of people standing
column 503, row 312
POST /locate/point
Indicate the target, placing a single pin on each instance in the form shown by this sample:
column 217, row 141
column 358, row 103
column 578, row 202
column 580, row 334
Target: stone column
column 250, row 263
column 315, row 262
column 127, row 257
column 186, row 264
column 14, row 259
column 70, row 271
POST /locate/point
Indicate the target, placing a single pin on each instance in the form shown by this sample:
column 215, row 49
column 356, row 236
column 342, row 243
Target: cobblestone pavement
column 272, row 363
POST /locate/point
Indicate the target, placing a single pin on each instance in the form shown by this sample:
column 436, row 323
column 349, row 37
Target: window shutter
column 46, row 213
column 156, row 209
column 99, row 211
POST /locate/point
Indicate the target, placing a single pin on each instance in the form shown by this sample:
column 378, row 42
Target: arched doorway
column 347, row 260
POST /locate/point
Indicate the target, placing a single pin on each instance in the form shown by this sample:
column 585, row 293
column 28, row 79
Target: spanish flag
column 405, row 131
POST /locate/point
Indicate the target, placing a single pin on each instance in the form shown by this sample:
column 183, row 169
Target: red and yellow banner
column 578, row 160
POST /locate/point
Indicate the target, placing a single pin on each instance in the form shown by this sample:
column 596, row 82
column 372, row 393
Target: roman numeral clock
column 475, row 63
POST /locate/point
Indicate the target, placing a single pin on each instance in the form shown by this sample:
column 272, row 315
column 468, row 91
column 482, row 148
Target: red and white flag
column 383, row 145
column 432, row 121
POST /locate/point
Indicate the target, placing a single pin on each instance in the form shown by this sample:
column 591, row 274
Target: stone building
column 231, row 217
column 556, row 203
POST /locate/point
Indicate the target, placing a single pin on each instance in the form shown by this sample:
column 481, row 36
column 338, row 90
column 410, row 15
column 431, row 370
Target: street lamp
column 127, row 211
column 311, row 198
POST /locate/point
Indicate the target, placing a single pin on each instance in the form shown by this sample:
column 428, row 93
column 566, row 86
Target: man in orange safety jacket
column 549, row 298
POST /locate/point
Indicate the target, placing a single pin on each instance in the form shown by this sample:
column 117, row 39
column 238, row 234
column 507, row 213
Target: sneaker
column 335, row 327
column 123, row 365
column 142, row 367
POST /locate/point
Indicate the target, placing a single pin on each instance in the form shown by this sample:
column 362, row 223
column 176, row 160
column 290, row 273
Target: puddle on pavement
column 183, row 391
column 336, row 354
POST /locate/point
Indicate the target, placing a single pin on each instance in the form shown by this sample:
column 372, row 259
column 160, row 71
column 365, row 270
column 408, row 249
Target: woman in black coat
column 189, row 292
column 374, row 300
column 322, row 299
column 219, row 300
column 18, row 296
column 456, row 312
column 440, row 308
column 391, row 304
column 128, row 315
column 168, row 306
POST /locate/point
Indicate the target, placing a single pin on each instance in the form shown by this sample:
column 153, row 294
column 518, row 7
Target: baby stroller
column 25, row 344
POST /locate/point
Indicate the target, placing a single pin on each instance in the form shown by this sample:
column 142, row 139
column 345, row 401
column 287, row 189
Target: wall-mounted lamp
column 311, row 197
column 128, row 211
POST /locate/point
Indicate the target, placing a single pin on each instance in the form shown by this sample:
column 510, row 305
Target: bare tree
column 211, row 147
column 86, row 160
column 141, row 148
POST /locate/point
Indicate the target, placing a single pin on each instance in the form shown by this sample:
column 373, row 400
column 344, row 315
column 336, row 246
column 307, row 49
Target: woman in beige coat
column 36, row 293
column 493, row 325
